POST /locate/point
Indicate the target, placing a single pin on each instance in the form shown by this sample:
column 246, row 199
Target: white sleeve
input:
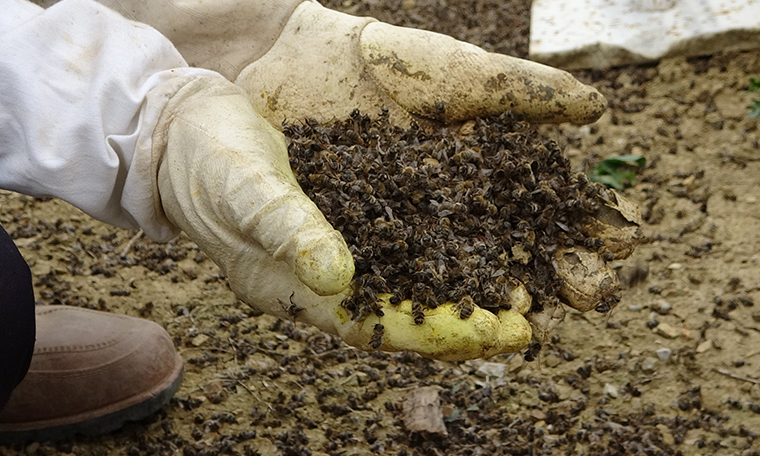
column 81, row 91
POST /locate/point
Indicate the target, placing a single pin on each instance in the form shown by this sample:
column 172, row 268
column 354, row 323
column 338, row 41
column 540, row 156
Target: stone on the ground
column 663, row 353
column 648, row 365
column 610, row 390
column 667, row 330
column 492, row 370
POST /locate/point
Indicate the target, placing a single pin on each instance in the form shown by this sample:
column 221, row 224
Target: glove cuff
column 171, row 94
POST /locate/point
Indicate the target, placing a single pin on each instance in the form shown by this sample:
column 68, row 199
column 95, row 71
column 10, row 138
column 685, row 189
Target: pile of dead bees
column 455, row 215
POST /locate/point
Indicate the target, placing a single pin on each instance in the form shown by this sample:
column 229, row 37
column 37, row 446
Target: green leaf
column 754, row 85
column 617, row 171
column 616, row 180
column 619, row 160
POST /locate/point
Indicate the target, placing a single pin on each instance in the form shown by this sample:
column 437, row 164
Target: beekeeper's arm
column 104, row 113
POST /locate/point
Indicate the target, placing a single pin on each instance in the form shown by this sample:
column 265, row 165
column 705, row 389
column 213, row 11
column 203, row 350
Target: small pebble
column 200, row 340
column 492, row 370
column 552, row 360
column 662, row 307
column 634, row 308
column 666, row 330
column 663, row 353
column 704, row 346
column 648, row 365
column 610, row 390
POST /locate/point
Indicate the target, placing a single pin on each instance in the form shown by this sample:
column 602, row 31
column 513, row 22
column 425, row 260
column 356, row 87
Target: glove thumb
column 225, row 179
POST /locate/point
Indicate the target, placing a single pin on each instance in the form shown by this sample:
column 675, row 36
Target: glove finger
column 618, row 222
column 443, row 335
column 436, row 76
column 587, row 279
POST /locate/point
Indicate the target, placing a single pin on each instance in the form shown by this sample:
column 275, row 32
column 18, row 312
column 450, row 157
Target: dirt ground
column 675, row 369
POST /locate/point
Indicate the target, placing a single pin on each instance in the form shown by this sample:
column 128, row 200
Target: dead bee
column 491, row 296
column 608, row 304
column 532, row 351
column 293, row 310
column 465, row 307
column 377, row 336
column 417, row 313
column 589, row 205
column 605, row 253
column 593, row 243
column 543, row 220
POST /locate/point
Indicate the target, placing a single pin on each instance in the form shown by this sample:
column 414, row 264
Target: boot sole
column 99, row 425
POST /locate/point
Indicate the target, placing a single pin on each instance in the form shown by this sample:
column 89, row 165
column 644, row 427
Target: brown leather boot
column 91, row 372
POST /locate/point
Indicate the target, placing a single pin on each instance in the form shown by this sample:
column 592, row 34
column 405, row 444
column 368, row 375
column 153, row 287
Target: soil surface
column 674, row 369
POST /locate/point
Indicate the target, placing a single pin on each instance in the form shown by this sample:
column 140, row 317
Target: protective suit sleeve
column 81, row 91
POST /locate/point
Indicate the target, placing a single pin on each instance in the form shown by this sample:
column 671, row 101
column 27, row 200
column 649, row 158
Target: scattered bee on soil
column 445, row 215
column 608, row 304
column 532, row 351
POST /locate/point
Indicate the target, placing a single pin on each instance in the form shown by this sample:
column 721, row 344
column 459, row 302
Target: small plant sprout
column 617, row 171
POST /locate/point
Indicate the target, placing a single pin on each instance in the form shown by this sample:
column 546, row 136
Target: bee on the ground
column 293, row 310
column 377, row 336
column 532, row 351
column 417, row 313
column 465, row 307
column 608, row 304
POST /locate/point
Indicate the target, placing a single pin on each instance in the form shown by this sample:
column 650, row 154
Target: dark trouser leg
column 17, row 328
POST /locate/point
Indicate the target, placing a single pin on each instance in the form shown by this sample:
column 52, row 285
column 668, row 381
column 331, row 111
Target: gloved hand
column 224, row 178
column 233, row 193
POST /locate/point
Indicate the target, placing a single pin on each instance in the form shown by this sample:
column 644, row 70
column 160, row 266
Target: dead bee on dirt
column 377, row 336
column 608, row 304
column 465, row 307
column 293, row 310
column 532, row 351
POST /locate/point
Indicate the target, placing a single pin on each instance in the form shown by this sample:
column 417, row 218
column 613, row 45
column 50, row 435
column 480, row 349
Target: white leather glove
column 224, row 178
